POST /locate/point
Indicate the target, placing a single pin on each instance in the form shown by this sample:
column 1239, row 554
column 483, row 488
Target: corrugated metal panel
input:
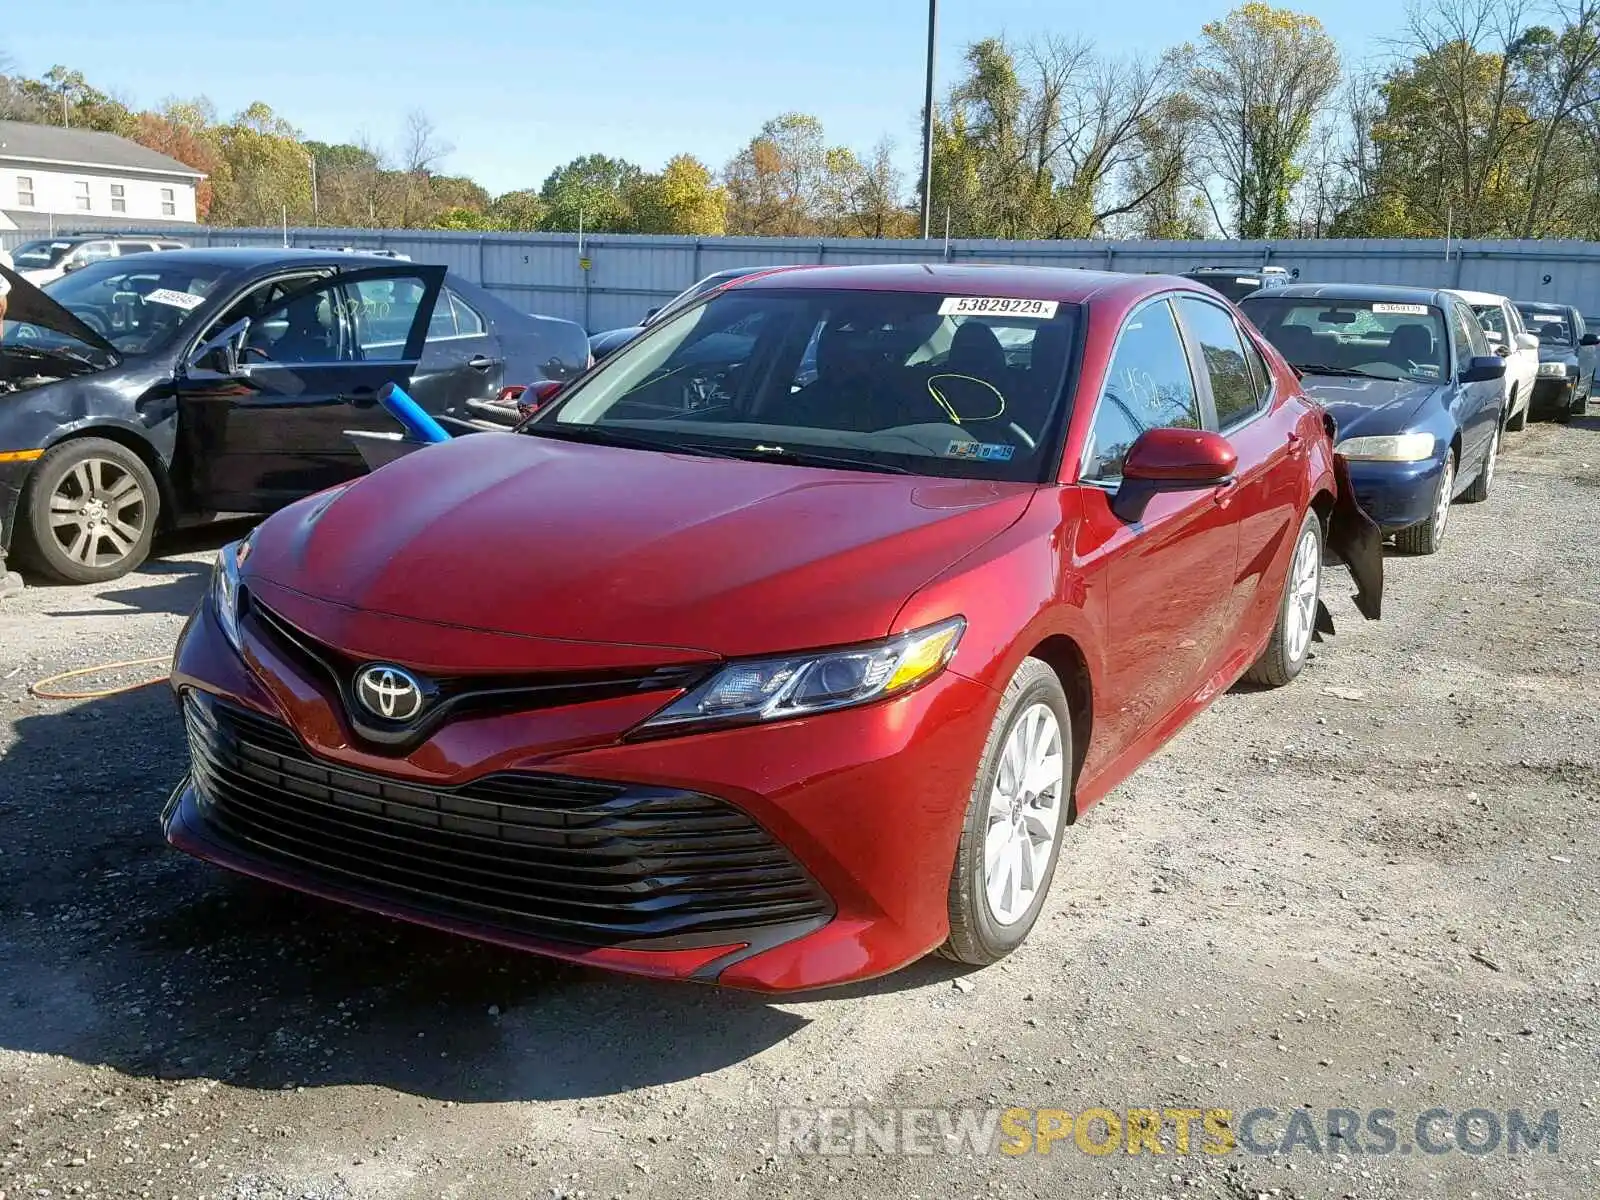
column 627, row 275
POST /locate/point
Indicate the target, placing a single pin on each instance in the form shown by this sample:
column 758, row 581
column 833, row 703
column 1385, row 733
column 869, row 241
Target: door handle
column 1224, row 494
column 479, row 363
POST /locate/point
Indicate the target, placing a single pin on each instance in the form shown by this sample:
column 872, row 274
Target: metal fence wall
column 616, row 278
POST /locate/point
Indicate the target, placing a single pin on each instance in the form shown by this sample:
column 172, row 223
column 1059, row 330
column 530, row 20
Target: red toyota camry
column 784, row 647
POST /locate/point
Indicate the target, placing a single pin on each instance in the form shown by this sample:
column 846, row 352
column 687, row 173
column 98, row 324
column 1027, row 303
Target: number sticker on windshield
column 997, row 306
column 982, row 451
column 184, row 300
column 1401, row 310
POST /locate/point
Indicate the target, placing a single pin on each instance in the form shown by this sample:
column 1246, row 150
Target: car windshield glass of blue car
column 1550, row 325
column 1382, row 340
column 135, row 303
column 857, row 380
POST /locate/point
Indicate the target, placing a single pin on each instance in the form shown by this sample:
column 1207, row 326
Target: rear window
column 882, row 380
column 40, row 256
column 1384, row 339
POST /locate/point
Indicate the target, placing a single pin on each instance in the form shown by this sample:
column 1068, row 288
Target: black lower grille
column 569, row 859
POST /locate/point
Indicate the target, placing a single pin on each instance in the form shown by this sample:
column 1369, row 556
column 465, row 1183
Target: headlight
column 1397, row 447
column 773, row 689
column 225, row 588
column 1553, row 370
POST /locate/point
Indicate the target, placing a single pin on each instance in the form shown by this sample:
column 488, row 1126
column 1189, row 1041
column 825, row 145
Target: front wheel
column 1015, row 819
column 1290, row 644
column 90, row 511
column 1428, row 536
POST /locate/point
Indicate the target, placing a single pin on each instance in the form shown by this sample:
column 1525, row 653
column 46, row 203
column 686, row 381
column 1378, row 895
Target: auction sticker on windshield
column 997, row 306
column 1401, row 310
column 183, row 300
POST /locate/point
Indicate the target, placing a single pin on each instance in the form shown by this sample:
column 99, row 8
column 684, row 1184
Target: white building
column 54, row 178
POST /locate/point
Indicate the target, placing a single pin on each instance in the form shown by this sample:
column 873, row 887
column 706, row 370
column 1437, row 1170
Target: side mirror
column 1172, row 460
column 1589, row 339
column 1527, row 341
column 650, row 316
column 1484, row 369
column 71, row 265
column 221, row 355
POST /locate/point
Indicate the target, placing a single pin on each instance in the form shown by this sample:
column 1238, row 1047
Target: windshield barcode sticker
column 997, row 306
column 1401, row 310
column 183, row 300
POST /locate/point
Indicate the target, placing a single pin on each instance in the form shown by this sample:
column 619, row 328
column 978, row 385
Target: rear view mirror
column 1484, row 369
column 1336, row 317
column 651, row 315
column 1172, row 460
column 1589, row 339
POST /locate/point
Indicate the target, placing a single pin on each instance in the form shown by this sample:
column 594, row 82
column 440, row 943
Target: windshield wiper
column 1325, row 369
column 812, row 458
column 599, row 435
column 49, row 352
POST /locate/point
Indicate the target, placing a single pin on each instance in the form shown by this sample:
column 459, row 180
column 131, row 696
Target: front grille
column 571, row 860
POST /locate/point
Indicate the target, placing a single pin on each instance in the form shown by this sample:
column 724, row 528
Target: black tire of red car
column 1279, row 663
column 1479, row 491
column 77, row 483
column 1427, row 536
column 976, row 937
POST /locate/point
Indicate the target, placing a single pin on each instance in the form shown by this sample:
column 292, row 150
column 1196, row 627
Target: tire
column 1479, row 491
column 988, row 924
column 76, row 484
column 1580, row 407
column 1519, row 420
column 1290, row 643
column 1428, row 536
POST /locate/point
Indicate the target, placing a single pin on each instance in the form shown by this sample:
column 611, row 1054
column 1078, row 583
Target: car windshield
column 136, row 304
column 1550, row 324
column 1384, row 340
column 1493, row 319
column 878, row 381
column 40, row 256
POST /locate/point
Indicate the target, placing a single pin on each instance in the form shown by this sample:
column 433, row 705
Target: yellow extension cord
column 38, row 688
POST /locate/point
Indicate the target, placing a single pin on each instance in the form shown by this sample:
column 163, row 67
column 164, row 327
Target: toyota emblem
column 392, row 693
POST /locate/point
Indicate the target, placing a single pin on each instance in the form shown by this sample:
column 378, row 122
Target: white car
column 1510, row 339
column 47, row 259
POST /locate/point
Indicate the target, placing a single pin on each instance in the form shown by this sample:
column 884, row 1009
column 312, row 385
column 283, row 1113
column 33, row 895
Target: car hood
column 592, row 544
column 1557, row 352
column 26, row 303
column 1369, row 406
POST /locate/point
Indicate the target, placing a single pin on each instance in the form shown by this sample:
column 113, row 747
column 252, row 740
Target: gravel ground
column 1369, row 890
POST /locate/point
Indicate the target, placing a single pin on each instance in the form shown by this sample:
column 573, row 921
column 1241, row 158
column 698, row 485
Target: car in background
column 46, row 259
column 1569, row 352
column 847, row 656
column 157, row 389
column 1238, row 282
column 603, row 345
column 1416, row 396
column 1510, row 339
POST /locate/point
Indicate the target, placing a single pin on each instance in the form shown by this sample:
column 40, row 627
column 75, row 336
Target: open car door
column 263, row 405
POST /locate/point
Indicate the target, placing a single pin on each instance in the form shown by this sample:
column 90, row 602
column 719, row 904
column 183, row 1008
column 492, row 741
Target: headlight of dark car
column 1556, row 370
column 775, row 689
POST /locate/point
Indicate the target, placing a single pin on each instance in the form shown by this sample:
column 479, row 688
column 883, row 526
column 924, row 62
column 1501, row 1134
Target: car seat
column 309, row 336
column 1410, row 344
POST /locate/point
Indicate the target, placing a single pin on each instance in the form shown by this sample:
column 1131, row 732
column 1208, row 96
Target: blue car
column 1408, row 377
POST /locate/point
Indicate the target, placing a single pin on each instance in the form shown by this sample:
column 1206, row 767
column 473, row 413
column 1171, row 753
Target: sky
column 518, row 87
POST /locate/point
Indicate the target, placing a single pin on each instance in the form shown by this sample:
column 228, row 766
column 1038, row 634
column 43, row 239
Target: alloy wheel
column 1305, row 584
column 1441, row 506
column 98, row 513
column 1024, row 813
column 1494, row 455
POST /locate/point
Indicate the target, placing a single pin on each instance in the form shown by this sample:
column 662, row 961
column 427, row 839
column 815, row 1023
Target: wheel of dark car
column 90, row 511
column 1290, row 644
column 1427, row 536
column 1518, row 421
column 1016, row 817
column 1479, row 491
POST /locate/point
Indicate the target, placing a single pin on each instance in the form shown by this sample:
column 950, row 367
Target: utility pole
column 927, row 121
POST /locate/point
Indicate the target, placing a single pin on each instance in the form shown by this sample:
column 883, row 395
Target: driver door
column 264, row 406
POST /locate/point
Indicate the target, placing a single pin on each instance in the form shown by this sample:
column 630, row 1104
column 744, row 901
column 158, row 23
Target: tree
column 592, row 189
column 186, row 131
column 683, row 198
column 522, row 210
column 877, row 199
column 1163, row 178
column 1260, row 75
column 267, row 173
column 775, row 183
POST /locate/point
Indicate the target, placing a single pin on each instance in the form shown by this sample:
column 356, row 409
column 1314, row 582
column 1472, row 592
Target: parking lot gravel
column 1373, row 889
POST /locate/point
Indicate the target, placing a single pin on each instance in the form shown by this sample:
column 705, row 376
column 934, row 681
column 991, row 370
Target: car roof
column 1476, row 297
column 241, row 258
column 1543, row 306
column 1068, row 284
column 1356, row 291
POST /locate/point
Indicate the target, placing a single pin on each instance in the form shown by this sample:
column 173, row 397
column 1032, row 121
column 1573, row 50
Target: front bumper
column 868, row 802
column 1396, row 495
column 1552, row 396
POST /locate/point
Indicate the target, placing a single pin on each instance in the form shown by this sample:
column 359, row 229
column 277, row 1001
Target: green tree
column 521, row 210
column 683, row 198
column 593, row 187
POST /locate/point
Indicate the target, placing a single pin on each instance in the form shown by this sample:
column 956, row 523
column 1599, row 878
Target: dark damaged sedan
column 157, row 389
column 1417, row 397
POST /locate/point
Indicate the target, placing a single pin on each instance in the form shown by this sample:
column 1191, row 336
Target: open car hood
column 25, row 303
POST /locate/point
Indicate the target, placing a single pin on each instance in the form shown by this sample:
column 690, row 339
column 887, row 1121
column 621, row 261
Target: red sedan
column 787, row 645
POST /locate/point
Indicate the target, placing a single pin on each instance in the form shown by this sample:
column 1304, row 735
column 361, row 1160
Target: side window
column 382, row 311
column 1259, row 371
column 308, row 329
column 1148, row 385
column 468, row 322
column 1473, row 341
column 1217, row 337
column 255, row 302
column 93, row 252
